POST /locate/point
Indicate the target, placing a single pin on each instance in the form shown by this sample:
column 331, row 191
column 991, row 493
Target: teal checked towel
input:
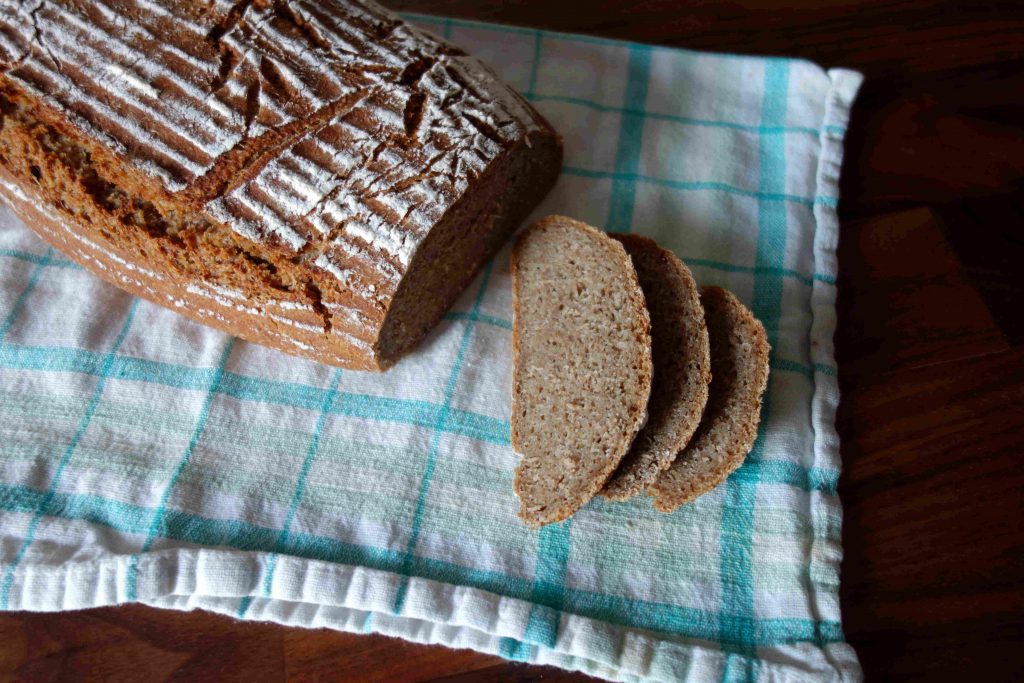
column 146, row 458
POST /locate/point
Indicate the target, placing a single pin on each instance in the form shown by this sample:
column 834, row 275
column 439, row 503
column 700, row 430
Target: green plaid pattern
column 146, row 458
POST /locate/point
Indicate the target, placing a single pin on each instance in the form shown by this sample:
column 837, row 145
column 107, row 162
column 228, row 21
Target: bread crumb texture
column 682, row 362
column 581, row 364
column 728, row 429
column 625, row 378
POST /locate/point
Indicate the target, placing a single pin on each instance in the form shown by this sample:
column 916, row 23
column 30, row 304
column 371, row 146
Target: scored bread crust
column 728, row 429
column 316, row 176
column 682, row 367
column 553, row 483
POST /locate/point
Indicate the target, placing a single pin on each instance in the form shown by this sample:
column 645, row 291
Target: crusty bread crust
column 552, row 483
column 739, row 368
column 319, row 177
column 682, row 367
column 109, row 264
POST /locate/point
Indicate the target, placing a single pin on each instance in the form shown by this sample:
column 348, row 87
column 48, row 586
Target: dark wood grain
column 908, row 300
column 881, row 38
column 989, row 240
column 138, row 643
column 932, row 435
column 929, row 346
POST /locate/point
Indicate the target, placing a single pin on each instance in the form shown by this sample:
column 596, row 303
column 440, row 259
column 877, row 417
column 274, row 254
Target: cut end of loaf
column 728, row 429
column 581, row 364
column 468, row 236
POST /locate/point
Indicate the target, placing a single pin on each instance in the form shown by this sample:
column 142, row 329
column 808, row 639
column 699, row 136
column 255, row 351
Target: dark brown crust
column 642, row 333
column 682, row 367
column 51, row 227
column 739, row 365
column 304, row 298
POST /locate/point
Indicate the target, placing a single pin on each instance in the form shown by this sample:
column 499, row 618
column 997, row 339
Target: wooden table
column 929, row 348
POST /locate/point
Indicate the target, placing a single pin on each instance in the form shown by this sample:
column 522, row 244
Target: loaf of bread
column 313, row 175
column 682, row 360
column 581, row 364
column 728, row 429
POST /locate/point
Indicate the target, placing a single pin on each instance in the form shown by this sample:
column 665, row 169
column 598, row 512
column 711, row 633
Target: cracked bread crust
column 581, row 368
column 316, row 176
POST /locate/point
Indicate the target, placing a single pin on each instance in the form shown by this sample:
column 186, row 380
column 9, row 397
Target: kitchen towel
column 146, row 458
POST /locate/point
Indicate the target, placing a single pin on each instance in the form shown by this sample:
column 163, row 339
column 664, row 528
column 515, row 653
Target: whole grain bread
column 682, row 366
column 728, row 429
column 581, row 364
column 314, row 175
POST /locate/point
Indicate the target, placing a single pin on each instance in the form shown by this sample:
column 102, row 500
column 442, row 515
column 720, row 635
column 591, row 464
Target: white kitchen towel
column 146, row 458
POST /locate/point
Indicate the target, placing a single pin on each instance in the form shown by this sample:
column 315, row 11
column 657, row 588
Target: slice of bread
column 581, row 364
column 739, row 367
column 682, row 366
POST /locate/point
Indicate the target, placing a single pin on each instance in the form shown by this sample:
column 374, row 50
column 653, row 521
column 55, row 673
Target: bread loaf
column 679, row 349
column 581, row 364
column 728, row 429
column 313, row 175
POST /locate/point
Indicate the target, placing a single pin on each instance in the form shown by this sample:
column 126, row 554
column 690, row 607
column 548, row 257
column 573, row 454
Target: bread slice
column 581, row 364
column 682, row 366
column 739, row 368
